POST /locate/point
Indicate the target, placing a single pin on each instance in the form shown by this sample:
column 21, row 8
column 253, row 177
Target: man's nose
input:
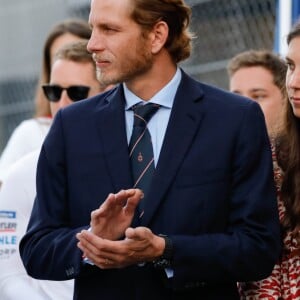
column 64, row 99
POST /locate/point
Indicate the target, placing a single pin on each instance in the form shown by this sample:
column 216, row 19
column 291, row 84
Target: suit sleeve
column 48, row 249
column 249, row 247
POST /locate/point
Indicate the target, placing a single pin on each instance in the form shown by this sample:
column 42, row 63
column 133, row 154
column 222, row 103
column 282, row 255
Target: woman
column 284, row 282
column 29, row 135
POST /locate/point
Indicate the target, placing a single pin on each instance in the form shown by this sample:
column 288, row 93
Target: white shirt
column 27, row 136
column 16, row 200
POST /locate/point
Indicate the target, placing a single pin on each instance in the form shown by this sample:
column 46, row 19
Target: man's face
column 257, row 83
column 120, row 51
column 293, row 75
column 66, row 73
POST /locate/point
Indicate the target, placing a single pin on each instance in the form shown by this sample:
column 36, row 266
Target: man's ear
column 159, row 35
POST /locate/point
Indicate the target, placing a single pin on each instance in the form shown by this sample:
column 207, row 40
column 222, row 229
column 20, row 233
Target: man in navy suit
column 209, row 218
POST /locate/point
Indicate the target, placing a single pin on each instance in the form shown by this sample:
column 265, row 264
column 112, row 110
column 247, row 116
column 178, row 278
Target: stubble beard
column 132, row 67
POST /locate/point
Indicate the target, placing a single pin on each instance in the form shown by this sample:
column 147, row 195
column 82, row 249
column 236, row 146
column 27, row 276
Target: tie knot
column 143, row 113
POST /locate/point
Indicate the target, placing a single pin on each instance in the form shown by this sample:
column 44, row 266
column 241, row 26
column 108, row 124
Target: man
column 73, row 67
column 260, row 75
column 208, row 218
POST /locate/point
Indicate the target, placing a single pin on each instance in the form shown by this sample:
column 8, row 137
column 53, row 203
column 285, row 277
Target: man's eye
column 109, row 29
column 258, row 97
column 290, row 65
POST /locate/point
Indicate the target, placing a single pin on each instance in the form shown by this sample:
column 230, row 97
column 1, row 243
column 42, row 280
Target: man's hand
column 115, row 215
column 139, row 245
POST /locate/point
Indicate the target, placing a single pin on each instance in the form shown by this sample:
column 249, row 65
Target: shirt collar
column 165, row 97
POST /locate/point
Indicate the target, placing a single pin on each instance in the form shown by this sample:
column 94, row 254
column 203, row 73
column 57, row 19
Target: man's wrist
column 164, row 261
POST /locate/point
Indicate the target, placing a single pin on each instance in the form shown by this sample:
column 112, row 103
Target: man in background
column 260, row 75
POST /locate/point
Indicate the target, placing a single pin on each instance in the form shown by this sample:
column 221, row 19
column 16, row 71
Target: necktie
column 140, row 147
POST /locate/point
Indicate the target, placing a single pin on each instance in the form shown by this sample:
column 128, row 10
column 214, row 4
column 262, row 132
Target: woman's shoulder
column 33, row 123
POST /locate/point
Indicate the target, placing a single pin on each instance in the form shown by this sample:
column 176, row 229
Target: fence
column 222, row 27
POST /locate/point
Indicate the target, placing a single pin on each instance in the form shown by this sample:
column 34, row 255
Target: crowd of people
column 138, row 181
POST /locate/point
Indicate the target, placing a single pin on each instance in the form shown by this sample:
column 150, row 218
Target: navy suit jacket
column 213, row 194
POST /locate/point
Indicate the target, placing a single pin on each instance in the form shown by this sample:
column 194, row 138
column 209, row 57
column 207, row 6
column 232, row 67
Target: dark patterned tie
column 140, row 147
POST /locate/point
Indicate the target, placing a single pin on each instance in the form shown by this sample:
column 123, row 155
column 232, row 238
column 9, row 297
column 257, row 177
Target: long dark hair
column 288, row 154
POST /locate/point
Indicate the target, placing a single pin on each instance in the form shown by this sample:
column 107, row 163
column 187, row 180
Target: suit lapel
column 183, row 125
column 110, row 120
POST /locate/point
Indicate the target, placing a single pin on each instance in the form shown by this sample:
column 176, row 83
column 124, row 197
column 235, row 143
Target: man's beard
column 136, row 64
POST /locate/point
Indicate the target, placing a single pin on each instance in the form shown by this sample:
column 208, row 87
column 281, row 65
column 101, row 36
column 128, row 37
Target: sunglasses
column 75, row 92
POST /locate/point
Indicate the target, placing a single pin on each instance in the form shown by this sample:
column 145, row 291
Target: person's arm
column 16, row 199
column 15, row 207
column 49, row 247
column 251, row 244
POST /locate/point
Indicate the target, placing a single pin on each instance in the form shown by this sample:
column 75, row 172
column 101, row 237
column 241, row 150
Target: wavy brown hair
column 288, row 153
column 177, row 16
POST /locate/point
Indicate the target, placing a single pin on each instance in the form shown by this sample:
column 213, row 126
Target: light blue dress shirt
column 158, row 123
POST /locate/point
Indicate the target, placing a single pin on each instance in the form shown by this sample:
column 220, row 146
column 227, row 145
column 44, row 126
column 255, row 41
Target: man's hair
column 75, row 51
column 176, row 14
column 260, row 58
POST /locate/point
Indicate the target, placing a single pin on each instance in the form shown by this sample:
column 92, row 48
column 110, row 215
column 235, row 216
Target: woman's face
column 293, row 74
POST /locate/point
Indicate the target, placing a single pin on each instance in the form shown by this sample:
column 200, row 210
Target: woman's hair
column 176, row 14
column 76, row 27
column 288, row 153
column 295, row 32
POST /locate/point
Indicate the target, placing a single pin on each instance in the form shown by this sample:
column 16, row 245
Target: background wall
column 222, row 27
